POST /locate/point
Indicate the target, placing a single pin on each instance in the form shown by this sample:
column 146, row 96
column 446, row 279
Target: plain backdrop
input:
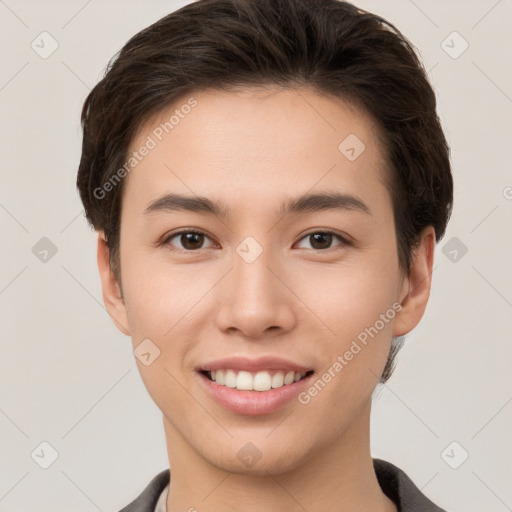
column 68, row 377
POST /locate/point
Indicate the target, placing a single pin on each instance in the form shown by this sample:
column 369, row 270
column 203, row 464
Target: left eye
column 323, row 239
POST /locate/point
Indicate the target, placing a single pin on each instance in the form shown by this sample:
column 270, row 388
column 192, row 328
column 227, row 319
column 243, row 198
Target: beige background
column 68, row 377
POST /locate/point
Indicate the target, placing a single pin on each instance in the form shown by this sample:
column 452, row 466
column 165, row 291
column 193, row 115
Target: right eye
column 188, row 240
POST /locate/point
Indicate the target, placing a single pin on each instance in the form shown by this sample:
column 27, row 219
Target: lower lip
column 253, row 402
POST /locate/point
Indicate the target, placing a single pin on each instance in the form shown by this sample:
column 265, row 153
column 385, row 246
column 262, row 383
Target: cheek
column 158, row 296
column 356, row 310
column 163, row 305
column 351, row 298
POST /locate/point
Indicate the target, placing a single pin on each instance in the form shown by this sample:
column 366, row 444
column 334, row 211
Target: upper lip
column 253, row 365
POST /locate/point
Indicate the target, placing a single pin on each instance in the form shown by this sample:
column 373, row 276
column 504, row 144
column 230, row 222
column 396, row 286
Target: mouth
column 255, row 381
column 254, row 393
column 254, row 386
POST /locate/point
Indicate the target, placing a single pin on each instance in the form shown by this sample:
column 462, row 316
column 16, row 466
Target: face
column 283, row 261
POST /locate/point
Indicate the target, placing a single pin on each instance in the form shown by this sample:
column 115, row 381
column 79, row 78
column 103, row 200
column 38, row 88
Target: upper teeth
column 260, row 381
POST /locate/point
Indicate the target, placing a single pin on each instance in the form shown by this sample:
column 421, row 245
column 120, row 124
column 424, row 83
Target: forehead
column 255, row 143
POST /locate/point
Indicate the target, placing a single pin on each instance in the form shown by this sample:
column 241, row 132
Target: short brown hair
column 330, row 46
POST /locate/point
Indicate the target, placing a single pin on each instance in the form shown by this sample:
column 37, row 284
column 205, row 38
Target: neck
column 338, row 477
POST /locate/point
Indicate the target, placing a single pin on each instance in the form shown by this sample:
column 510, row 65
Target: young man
column 268, row 179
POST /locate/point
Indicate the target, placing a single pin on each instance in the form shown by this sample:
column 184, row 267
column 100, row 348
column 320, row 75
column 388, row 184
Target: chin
column 257, row 459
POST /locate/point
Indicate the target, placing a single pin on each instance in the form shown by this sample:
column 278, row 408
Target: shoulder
column 401, row 489
column 148, row 498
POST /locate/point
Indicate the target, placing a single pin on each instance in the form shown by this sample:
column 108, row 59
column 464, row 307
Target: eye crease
column 192, row 240
column 325, row 235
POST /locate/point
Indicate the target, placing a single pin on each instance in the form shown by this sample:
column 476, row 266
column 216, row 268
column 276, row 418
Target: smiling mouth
column 255, row 381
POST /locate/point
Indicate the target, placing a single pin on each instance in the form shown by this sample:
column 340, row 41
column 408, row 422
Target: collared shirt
column 392, row 480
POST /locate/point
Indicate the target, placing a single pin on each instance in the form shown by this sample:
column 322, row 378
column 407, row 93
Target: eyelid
column 345, row 239
column 167, row 237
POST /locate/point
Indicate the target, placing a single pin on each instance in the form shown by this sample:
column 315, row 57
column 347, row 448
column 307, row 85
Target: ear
column 416, row 287
column 112, row 296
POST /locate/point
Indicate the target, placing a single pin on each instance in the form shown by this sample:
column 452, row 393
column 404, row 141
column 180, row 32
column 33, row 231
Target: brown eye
column 188, row 240
column 322, row 240
column 191, row 241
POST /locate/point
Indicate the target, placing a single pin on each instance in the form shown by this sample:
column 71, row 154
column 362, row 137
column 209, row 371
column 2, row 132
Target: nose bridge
column 254, row 284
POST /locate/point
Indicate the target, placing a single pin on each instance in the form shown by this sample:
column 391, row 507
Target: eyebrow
column 306, row 203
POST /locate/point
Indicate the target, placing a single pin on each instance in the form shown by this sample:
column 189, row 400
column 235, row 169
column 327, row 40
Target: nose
column 256, row 300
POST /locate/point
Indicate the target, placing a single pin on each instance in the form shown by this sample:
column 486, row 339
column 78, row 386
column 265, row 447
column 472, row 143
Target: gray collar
column 393, row 481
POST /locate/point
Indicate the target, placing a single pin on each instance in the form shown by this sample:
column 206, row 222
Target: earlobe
column 112, row 296
column 417, row 284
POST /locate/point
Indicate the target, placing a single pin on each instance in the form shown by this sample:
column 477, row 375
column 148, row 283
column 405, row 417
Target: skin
column 251, row 149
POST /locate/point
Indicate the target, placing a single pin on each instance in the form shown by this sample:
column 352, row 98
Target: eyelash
column 166, row 241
